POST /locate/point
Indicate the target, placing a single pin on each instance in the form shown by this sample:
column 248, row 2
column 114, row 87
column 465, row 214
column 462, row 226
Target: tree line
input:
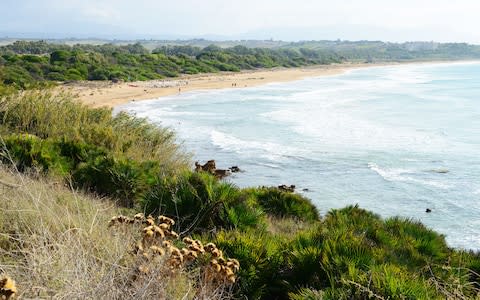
column 25, row 63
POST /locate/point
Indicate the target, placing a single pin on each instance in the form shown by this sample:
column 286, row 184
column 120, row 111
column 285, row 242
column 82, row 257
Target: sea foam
column 381, row 137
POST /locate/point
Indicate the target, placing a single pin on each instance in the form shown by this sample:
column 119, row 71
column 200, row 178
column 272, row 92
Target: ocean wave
column 269, row 165
column 269, row 150
column 402, row 175
column 340, row 129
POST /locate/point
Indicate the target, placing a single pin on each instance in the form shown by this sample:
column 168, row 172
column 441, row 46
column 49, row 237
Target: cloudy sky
column 390, row 20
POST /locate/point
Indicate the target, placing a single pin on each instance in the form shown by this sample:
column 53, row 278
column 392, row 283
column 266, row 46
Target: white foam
column 333, row 127
column 401, row 175
column 271, row 166
column 269, row 150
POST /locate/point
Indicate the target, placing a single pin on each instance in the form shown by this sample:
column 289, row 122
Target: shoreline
column 109, row 94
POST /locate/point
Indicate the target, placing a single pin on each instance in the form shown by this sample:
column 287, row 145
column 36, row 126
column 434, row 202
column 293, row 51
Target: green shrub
column 119, row 156
column 283, row 204
column 99, row 74
column 125, row 180
column 195, row 199
column 261, row 259
column 29, row 151
column 56, row 76
column 427, row 243
column 308, row 294
column 16, row 76
column 59, row 56
column 244, row 215
column 59, row 116
column 74, row 74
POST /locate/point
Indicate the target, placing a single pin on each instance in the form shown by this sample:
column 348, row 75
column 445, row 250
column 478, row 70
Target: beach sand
column 97, row 94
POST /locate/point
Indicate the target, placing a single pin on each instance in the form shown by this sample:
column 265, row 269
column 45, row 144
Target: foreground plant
column 160, row 255
column 8, row 289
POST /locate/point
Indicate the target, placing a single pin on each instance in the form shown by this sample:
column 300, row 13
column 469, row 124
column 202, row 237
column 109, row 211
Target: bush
column 195, row 199
column 29, row 151
column 59, row 116
column 284, row 204
column 245, row 214
column 56, row 76
column 59, row 56
column 99, row 74
column 261, row 258
column 125, row 180
column 16, row 76
column 120, row 156
column 74, row 74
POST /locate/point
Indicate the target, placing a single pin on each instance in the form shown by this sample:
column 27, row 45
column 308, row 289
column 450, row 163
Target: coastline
column 108, row 94
column 234, row 132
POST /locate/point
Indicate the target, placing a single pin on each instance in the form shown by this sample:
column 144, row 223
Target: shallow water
column 396, row 140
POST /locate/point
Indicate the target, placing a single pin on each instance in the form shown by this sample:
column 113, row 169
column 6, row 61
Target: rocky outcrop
column 285, row 188
column 211, row 168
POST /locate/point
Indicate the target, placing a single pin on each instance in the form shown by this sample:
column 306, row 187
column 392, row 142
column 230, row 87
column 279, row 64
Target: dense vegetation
column 25, row 63
column 286, row 250
column 56, row 244
column 373, row 51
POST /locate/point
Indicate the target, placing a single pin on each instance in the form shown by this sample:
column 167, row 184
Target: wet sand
column 97, row 94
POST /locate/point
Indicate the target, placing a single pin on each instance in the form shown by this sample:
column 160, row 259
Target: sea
column 395, row 140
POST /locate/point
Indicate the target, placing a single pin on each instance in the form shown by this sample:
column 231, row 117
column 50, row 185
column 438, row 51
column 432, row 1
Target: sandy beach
column 97, row 94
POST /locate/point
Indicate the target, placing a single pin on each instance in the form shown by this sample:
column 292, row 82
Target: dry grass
column 286, row 226
column 55, row 243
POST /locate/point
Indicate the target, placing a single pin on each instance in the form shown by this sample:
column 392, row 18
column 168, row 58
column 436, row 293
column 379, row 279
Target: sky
column 387, row 20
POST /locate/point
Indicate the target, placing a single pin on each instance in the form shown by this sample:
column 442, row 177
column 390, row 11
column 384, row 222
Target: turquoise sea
column 395, row 139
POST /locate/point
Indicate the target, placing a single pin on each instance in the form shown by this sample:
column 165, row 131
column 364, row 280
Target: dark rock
column 428, row 210
column 221, row 173
column 285, row 188
column 207, row 167
column 211, row 168
column 198, row 167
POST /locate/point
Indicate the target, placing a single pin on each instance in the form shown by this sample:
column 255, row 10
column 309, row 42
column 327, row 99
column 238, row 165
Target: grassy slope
column 55, row 242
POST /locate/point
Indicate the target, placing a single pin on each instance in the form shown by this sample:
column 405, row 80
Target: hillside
column 68, row 169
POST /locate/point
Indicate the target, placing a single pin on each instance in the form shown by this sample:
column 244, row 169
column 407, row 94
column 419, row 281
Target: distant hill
column 375, row 49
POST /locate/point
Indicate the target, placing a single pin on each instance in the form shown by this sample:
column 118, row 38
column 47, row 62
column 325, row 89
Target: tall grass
column 119, row 156
column 59, row 116
column 56, row 244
